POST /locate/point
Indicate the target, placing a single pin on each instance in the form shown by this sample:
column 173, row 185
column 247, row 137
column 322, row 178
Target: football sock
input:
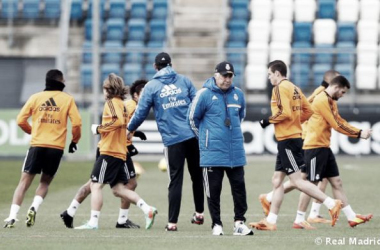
column 37, row 201
column 93, row 222
column 314, row 211
column 269, row 196
column 350, row 214
column 73, row 208
column 300, row 217
column 123, row 216
column 329, row 203
column 143, row 206
column 198, row 214
column 272, row 218
column 14, row 211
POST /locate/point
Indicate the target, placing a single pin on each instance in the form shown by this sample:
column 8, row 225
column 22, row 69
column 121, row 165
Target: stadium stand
column 31, row 9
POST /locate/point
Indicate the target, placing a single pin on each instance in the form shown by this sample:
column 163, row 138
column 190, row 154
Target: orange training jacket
column 289, row 109
column 49, row 111
column 131, row 107
column 325, row 117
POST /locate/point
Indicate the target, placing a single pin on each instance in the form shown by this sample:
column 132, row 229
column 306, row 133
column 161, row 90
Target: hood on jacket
column 166, row 75
column 211, row 84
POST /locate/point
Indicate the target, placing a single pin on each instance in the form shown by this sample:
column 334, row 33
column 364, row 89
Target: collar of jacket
column 53, row 85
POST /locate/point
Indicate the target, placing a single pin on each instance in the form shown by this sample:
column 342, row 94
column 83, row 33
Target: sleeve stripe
column 192, row 110
column 114, row 116
column 277, row 93
column 342, row 126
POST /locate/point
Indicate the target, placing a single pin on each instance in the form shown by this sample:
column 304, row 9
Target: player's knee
column 132, row 184
column 337, row 183
column 276, row 181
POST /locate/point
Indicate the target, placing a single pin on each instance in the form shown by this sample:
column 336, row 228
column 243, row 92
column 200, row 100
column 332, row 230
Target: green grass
column 360, row 178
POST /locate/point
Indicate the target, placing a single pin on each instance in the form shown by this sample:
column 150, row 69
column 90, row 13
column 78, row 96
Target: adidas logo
column 49, row 105
column 214, row 98
column 94, row 178
column 290, row 170
column 170, row 89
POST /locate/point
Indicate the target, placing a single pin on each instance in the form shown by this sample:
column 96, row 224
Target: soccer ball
column 139, row 169
column 162, row 165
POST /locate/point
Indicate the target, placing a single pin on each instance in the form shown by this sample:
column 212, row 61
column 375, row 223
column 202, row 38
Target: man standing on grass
column 50, row 110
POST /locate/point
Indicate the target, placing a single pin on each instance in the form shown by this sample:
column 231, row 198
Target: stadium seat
column 280, row 51
column 304, row 10
column 261, row 9
column 133, row 55
column 282, row 31
column 257, row 53
column 256, row 77
column 368, row 31
column 283, row 10
column 115, row 29
column 302, row 32
column 76, row 10
column 112, row 57
column 346, row 52
column 236, row 58
column 367, row 53
column 299, row 74
column 86, row 75
column 160, row 9
column 31, row 9
column 239, row 9
column 149, row 71
column 348, row 10
column 87, row 56
column 136, row 30
column 157, row 30
column 369, row 10
column 366, row 77
column 132, row 72
column 324, row 54
column 238, row 30
column 326, row 9
column 236, row 44
column 318, row 73
column 117, row 9
column 139, row 9
column 301, row 52
column 324, row 31
column 109, row 68
column 9, row 8
column 102, row 8
column 52, row 9
column 346, row 70
column 346, row 32
column 152, row 55
column 259, row 30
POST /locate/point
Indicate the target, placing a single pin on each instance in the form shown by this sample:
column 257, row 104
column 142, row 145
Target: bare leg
column 96, row 196
column 24, row 184
column 83, row 192
column 307, row 187
column 43, row 187
column 322, row 185
column 337, row 189
column 278, row 191
column 131, row 185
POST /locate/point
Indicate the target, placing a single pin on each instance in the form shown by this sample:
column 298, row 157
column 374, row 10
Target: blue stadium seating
column 87, row 56
column 240, row 9
column 115, row 29
column 318, row 72
column 117, row 9
column 302, row 31
column 155, row 44
column 101, row 9
column 149, row 71
column 88, row 29
column 139, row 9
column 157, row 30
column 160, row 9
column 347, row 70
column 132, row 55
column 299, row 74
column 112, row 57
column 346, row 52
column 136, row 30
column 76, row 10
column 9, row 8
column 236, row 44
column 86, row 75
column 300, row 56
column 327, row 9
column 52, row 9
column 109, row 68
column 31, row 9
column 132, row 72
column 346, row 32
column 324, row 54
column 238, row 30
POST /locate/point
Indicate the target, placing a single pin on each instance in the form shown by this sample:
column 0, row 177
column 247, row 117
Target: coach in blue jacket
column 170, row 95
column 215, row 116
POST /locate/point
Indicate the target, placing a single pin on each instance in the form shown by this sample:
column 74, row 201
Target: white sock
column 300, row 217
column 269, row 196
column 314, row 212
column 199, row 214
column 272, row 218
column 73, row 208
column 37, row 201
column 93, row 222
column 329, row 203
column 350, row 214
column 123, row 216
column 143, row 206
column 13, row 212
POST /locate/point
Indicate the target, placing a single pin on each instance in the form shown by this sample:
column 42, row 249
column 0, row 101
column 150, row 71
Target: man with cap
column 170, row 95
column 215, row 116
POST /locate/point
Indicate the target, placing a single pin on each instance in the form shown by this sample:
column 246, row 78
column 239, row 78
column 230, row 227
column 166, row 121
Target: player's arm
column 142, row 109
column 306, row 109
column 243, row 109
column 283, row 110
column 196, row 111
column 23, row 116
column 76, row 121
column 116, row 119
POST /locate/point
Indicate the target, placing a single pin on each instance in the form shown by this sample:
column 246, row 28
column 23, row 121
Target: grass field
column 360, row 178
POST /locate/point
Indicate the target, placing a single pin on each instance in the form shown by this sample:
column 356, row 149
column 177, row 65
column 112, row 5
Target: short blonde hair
column 114, row 86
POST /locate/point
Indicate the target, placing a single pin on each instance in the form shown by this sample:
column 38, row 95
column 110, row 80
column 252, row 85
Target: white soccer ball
column 162, row 165
column 138, row 169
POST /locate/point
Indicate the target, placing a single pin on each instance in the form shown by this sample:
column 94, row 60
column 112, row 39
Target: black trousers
column 175, row 156
column 213, row 179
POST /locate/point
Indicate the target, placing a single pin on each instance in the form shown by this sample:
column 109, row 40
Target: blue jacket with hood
column 170, row 95
column 221, row 143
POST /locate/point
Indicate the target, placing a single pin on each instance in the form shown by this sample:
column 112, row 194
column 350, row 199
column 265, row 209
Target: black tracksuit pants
column 175, row 156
